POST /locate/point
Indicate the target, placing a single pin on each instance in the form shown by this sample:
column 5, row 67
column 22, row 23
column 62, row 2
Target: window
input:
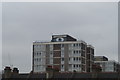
column 51, row 53
column 77, row 45
column 74, row 45
column 74, row 66
column 62, row 59
column 79, row 51
column 39, row 59
column 74, row 58
column 74, row 52
column 69, row 59
column 62, row 45
column 40, row 53
column 62, row 66
column 77, row 66
column 62, row 52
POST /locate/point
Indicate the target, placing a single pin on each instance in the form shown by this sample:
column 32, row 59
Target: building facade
column 89, row 58
column 108, row 66
column 64, row 53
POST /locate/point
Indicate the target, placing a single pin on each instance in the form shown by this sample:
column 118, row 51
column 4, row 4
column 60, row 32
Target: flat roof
column 107, row 61
column 90, row 46
column 64, row 42
column 100, row 56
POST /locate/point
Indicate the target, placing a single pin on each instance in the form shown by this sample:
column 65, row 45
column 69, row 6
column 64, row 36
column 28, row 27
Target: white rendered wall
column 39, row 58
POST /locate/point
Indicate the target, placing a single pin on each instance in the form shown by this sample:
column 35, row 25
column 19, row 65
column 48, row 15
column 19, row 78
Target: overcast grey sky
column 23, row 23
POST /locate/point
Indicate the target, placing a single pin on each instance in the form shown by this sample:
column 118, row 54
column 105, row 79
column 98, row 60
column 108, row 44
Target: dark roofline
column 101, row 56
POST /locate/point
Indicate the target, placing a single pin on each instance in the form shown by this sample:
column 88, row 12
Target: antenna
column 9, row 58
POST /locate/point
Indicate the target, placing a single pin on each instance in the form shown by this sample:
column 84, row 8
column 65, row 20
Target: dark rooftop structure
column 100, row 58
column 56, row 38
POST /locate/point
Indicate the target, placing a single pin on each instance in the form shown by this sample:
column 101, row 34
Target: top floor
column 61, row 39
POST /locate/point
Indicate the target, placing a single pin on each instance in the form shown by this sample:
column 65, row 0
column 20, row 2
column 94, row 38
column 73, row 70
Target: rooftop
column 67, row 42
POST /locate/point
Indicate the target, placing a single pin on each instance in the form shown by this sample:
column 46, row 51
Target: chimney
column 7, row 72
column 15, row 71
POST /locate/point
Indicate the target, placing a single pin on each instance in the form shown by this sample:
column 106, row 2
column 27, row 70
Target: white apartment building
column 64, row 53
